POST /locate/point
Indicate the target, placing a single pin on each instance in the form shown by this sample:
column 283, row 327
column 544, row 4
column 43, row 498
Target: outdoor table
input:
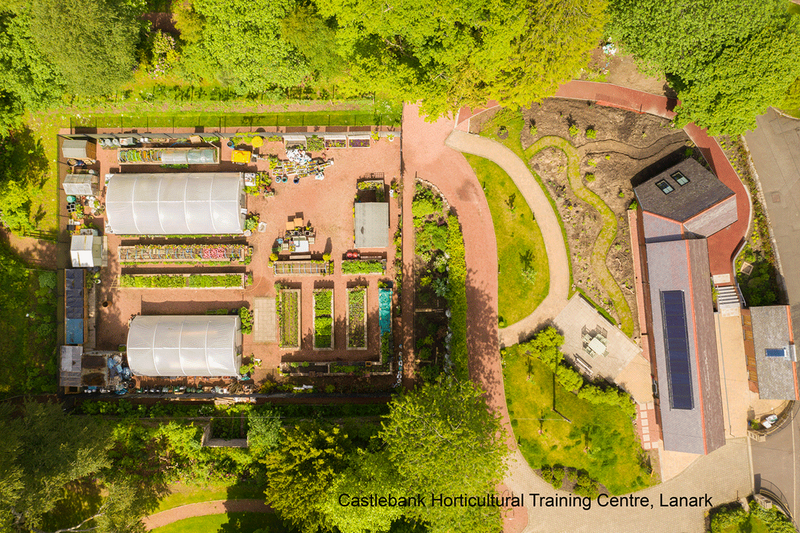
column 597, row 346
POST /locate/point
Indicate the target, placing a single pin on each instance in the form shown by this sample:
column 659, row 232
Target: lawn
column 28, row 323
column 513, row 121
column 182, row 494
column 600, row 439
column 523, row 274
column 227, row 523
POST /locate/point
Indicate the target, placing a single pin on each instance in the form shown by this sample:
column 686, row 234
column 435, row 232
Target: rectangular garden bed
column 300, row 268
column 357, row 318
column 358, row 142
column 182, row 281
column 385, row 320
column 363, row 266
column 184, row 253
column 288, row 310
column 323, row 319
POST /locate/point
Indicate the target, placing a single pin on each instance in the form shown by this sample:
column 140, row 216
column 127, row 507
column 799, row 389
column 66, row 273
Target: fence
column 221, row 122
column 771, row 491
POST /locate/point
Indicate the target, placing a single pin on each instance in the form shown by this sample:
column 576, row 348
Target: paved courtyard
column 326, row 204
column 596, row 348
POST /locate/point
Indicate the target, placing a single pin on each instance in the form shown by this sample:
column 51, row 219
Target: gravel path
column 202, row 509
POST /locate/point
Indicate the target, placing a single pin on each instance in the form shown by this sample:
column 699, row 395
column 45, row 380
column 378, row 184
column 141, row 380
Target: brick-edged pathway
column 202, row 509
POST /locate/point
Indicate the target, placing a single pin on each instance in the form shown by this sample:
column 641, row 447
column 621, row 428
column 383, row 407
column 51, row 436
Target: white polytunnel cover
column 185, row 345
column 176, row 204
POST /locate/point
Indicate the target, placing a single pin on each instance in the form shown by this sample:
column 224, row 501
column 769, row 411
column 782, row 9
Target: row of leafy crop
column 171, row 281
column 357, row 318
column 363, row 267
column 288, row 309
column 323, row 318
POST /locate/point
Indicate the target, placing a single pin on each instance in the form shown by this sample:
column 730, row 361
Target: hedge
column 165, row 281
column 457, row 295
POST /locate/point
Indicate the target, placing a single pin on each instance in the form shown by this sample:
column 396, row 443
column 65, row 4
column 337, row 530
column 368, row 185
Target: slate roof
column 703, row 191
column 372, row 225
column 776, row 375
column 682, row 265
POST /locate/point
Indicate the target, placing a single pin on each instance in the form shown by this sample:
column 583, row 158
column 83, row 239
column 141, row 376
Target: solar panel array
column 74, row 298
column 676, row 342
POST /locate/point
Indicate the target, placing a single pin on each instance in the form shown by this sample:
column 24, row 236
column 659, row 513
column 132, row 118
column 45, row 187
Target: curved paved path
column 202, row 509
column 545, row 216
column 723, row 474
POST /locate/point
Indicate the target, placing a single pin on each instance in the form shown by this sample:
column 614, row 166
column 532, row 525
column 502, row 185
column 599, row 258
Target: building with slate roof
column 685, row 199
column 680, row 207
column 772, row 343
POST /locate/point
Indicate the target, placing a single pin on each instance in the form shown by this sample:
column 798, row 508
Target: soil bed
column 618, row 150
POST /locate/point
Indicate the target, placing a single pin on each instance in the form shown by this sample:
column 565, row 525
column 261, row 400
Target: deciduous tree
column 442, row 438
column 301, row 472
column 727, row 60
column 43, row 451
column 239, row 43
column 90, row 43
column 449, row 54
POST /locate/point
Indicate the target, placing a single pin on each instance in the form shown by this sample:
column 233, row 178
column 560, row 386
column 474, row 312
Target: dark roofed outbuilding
column 689, row 194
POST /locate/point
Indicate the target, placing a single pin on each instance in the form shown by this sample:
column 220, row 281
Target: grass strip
column 523, row 270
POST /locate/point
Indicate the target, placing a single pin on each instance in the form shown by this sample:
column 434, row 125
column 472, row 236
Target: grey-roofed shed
column 695, row 424
column 372, row 225
column 775, row 352
column 691, row 195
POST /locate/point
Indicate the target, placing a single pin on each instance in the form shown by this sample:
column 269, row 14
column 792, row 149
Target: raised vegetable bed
column 363, row 266
column 323, row 319
column 288, row 310
column 357, row 318
column 184, row 253
column 182, row 281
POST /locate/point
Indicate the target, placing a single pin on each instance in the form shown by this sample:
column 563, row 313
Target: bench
column 300, row 256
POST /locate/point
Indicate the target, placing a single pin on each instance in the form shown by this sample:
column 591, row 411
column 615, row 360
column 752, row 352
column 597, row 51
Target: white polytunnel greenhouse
column 185, row 345
column 176, row 204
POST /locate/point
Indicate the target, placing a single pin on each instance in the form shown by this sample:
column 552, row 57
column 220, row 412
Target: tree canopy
column 302, row 470
column 726, row 60
column 458, row 448
column 44, row 451
column 449, row 54
column 238, row 43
